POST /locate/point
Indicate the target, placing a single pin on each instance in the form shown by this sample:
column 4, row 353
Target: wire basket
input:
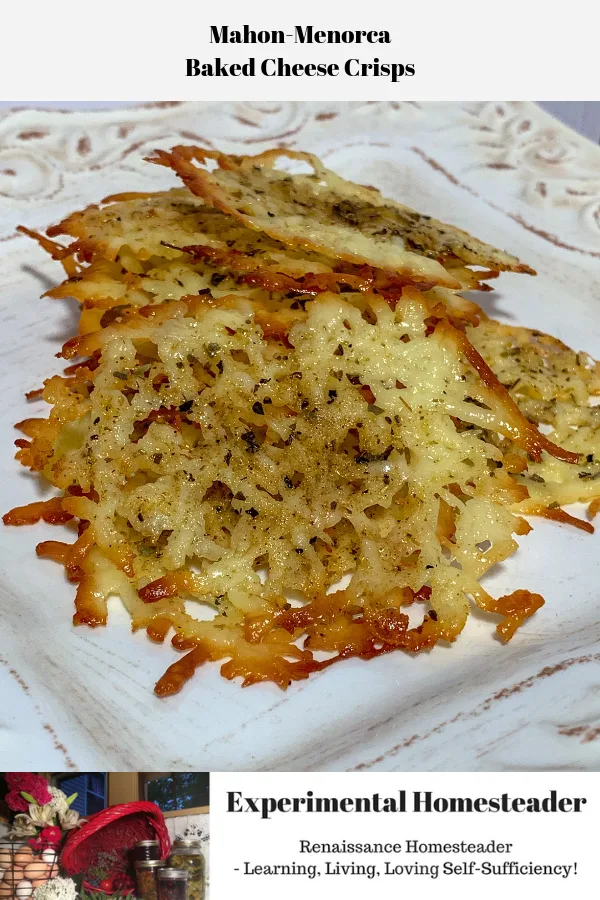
column 23, row 869
column 105, row 842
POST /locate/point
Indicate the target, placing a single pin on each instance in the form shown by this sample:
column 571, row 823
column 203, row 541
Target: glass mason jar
column 146, row 871
column 186, row 853
column 145, row 850
column 172, row 884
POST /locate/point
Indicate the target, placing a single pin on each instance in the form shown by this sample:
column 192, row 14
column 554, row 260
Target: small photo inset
column 101, row 835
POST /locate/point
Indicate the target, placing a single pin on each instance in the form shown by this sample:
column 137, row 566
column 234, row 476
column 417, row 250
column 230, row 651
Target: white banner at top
column 274, row 51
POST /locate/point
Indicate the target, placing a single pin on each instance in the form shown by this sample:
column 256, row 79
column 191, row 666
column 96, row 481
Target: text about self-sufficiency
column 343, row 831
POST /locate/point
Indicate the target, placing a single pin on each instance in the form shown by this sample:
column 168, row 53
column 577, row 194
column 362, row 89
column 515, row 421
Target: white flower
column 56, row 889
column 22, row 826
column 42, row 816
column 69, row 819
column 59, row 800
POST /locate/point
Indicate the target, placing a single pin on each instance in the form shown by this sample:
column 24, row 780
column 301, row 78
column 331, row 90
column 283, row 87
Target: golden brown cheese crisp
column 323, row 212
column 196, row 448
column 555, row 387
column 159, row 223
column 249, row 419
column 165, row 224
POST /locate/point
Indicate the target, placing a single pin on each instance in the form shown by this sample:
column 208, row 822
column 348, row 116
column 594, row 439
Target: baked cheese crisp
column 262, row 402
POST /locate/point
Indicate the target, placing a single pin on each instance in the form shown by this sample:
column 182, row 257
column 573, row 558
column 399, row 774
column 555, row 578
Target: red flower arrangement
column 43, row 813
column 19, row 783
column 48, row 837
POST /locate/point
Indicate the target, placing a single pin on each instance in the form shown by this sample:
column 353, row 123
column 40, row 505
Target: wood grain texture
column 82, row 699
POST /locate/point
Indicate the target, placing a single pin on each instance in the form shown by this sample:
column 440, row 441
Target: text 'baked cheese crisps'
column 250, row 421
column 325, row 213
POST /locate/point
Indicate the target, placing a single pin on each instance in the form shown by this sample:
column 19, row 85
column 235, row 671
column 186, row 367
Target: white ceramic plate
column 81, row 698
